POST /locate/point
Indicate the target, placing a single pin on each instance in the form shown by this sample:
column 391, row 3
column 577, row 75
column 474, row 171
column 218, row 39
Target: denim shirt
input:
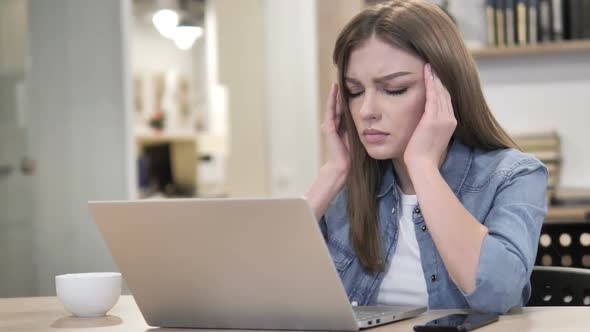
column 503, row 189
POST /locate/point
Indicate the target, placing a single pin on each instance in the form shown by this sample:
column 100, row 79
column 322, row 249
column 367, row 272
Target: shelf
column 567, row 214
column 539, row 49
column 165, row 137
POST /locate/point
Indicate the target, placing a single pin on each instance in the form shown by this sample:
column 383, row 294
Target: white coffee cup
column 88, row 294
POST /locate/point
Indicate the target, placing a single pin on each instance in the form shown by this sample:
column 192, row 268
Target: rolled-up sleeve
column 509, row 249
column 324, row 228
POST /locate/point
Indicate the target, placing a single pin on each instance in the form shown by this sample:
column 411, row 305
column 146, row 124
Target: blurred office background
column 144, row 99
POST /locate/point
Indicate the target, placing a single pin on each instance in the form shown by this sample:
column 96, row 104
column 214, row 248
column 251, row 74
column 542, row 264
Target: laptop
column 232, row 264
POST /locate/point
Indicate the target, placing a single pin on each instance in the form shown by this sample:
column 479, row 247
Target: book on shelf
column 533, row 22
column 557, row 18
column 521, row 22
column 545, row 20
column 553, row 168
column 586, row 20
column 546, row 155
column 545, row 146
column 550, row 194
column 576, row 19
column 491, row 22
column 553, row 180
column 548, row 140
column 510, row 20
column 528, row 22
column 571, row 196
column 573, row 19
column 500, row 23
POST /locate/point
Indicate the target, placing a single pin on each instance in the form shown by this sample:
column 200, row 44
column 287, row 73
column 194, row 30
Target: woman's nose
column 368, row 110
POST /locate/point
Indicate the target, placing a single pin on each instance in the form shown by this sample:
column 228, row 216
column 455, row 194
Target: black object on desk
column 457, row 322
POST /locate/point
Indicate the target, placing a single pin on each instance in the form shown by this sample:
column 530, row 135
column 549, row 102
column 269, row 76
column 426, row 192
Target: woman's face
column 386, row 96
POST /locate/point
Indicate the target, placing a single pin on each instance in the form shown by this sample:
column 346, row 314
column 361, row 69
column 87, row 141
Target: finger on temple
column 428, row 83
column 444, row 96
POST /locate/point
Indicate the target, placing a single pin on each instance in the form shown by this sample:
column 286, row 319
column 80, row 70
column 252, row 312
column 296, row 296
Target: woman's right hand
column 333, row 173
column 337, row 148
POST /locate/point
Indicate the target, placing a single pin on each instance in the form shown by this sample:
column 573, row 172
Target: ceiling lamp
column 166, row 22
column 186, row 33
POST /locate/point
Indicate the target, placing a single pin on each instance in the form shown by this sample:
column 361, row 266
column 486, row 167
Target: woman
column 423, row 199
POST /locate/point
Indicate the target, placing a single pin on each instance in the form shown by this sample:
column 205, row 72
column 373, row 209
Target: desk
column 567, row 214
column 44, row 314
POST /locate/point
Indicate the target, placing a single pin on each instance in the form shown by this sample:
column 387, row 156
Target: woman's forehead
column 376, row 58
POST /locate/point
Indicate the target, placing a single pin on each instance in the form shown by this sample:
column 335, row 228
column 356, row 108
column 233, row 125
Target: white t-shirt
column 404, row 282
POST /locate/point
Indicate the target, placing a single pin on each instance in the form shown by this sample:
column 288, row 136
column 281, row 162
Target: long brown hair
column 423, row 29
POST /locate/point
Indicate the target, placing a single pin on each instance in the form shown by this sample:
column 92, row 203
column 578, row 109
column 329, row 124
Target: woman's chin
column 379, row 153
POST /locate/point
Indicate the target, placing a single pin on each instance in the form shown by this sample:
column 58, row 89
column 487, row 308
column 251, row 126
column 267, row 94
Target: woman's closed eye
column 354, row 94
column 391, row 92
column 395, row 92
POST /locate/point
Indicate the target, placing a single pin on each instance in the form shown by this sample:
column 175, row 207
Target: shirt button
column 393, row 210
column 417, row 210
column 354, row 303
column 433, row 277
column 423, row 228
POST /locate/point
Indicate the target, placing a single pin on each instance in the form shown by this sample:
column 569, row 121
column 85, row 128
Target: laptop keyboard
column 369, row 313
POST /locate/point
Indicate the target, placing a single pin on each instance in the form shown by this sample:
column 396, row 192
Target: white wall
column 292, row 94
column 79, row 129
column 267, row 61
column 240, row 64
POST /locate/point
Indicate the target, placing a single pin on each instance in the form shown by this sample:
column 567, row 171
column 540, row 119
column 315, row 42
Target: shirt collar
column 454, row 169
column 388, row 181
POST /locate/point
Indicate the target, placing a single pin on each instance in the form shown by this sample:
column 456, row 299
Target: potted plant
column 157, row 120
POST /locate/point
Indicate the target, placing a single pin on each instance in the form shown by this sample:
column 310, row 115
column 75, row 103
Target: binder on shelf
column 521, row 25
column 545, row 24
column 533, row 20
column 586, row 10
column 567, row 20
column 553, row 180
column 546, row 156
column 540, row 140
column 509, row 17
column 557, row 11
column 552, row 168
column 500, row 23
column 491, row 22
column 572, row 196
column 528, row 22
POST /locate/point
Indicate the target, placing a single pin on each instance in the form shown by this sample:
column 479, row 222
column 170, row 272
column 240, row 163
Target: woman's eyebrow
column 391, row 76
column 381, row 79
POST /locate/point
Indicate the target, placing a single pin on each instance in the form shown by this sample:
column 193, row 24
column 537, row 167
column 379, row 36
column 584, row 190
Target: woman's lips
column 374, row 135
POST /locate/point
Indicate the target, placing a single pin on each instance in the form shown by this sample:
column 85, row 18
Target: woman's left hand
column 431, row 137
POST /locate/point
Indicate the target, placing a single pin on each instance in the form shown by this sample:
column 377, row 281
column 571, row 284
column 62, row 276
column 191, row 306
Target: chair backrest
column 565, row 244
column 560, row 286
